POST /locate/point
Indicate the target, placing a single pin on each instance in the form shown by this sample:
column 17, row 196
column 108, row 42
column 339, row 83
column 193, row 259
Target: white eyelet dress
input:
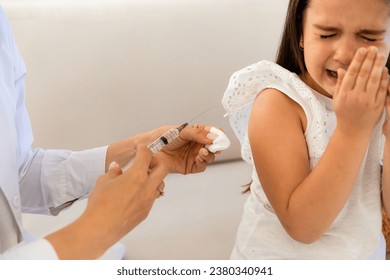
column 356, row 232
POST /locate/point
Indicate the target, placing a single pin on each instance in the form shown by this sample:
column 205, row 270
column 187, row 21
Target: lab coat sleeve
column 40, row 249
column 52, row 180
column 48, row 179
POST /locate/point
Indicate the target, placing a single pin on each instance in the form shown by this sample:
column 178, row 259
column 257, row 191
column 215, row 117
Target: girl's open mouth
column 332, row 73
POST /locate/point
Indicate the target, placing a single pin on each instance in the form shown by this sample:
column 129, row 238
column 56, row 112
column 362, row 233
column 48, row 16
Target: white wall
column 99, row 71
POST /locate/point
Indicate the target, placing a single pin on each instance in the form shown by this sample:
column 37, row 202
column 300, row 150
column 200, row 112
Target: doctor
column 47, row 181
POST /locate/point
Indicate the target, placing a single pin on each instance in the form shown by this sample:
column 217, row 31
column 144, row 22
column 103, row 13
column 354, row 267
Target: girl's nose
column 345, row 51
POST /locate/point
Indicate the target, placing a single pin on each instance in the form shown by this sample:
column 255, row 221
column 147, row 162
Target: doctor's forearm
column 79, row 240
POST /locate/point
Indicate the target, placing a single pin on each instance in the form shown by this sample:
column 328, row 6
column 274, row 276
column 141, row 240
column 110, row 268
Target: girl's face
column 333, row 30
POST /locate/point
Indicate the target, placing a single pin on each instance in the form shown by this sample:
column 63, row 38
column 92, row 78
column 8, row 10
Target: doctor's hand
column 187, row 154
column 117, row 204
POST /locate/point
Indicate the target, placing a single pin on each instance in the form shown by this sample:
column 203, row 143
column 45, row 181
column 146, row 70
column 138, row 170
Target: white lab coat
column 32, row 180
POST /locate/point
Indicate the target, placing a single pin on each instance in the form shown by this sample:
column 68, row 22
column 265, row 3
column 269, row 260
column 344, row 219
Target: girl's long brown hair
column 289, row 54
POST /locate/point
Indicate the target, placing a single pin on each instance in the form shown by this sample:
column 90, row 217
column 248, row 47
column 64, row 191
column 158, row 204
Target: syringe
column 163, row 140
column 166, row 138
column 160, row 142
column 169, row 136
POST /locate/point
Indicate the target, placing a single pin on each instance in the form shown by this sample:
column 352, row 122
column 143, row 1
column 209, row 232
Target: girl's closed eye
column 368, row 39
column 327, row 36
column 373, row 35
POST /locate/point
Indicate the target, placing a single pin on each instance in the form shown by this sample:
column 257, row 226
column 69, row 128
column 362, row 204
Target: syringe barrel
column 164, row 140
column 160, row 142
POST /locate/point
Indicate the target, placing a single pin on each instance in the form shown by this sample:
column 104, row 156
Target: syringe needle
column 197, row 116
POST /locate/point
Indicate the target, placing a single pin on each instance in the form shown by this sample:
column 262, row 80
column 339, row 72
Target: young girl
column 312, row 127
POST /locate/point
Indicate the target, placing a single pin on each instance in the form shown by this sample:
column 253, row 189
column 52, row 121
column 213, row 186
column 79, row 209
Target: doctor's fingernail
column 113, row 165
column 205, row 152
column 212, row 136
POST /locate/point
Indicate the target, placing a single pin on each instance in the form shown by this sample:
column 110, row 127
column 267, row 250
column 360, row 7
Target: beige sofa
column 101, row 70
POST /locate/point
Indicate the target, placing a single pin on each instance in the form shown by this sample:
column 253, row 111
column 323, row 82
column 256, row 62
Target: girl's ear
column 301, row 43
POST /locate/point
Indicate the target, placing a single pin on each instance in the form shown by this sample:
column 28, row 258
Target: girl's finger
column 377, row 82
column 340, row 74
column 382, row 95
column 366, row 72
column 349, row 80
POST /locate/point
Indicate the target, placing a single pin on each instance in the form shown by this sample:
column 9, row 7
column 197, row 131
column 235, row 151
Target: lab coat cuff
column 40, row 249
column 71, row 176
column 92, row 164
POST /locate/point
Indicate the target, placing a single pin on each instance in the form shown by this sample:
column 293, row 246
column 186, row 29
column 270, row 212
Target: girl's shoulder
column 245, row 84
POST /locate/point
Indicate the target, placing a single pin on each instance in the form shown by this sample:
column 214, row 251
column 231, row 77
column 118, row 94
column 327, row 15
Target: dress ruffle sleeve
column 243, row 88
